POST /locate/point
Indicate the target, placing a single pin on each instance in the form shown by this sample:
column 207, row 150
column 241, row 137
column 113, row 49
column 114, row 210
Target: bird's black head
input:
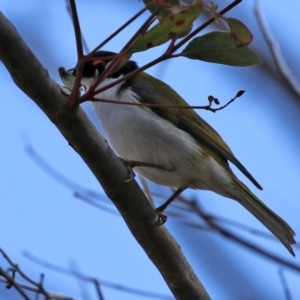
column 102, row 58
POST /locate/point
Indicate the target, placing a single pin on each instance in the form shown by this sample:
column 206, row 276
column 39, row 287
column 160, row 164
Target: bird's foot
column 130, row 164
column 161, row 218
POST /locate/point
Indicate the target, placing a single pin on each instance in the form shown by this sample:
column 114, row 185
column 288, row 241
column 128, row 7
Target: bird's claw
column 130, row 164
column 131, row 174
column 161, row 219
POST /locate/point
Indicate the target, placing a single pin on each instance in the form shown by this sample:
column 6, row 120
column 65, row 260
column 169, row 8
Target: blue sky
column 42, row 216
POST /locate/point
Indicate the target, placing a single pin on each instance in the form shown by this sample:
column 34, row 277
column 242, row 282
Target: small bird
column 187, row 151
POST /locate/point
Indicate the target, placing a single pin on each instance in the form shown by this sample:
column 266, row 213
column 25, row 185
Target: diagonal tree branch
column 33, row 79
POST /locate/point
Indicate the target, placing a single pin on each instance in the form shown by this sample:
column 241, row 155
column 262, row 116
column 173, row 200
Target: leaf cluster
column 176, row 24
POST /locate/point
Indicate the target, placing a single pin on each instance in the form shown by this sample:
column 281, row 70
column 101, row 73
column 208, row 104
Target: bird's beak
column 67, row 77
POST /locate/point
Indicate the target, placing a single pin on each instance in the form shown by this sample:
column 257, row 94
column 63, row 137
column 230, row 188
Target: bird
column 177, row 147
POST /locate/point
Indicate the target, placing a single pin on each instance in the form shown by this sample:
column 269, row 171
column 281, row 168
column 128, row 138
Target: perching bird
column 187, row 151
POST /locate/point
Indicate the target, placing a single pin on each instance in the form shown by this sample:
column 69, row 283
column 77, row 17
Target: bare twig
column 93, row 280
column 84, row 43
column 74, row 268
column 235, row 238
column 94, row 203
column 88, row 197
column 116, row 61
column 118, row 30
column 42, row 163
column 91, row 197
column 285, row 287
column 204, row 25
column 281, row 64
column 10, row 281
column 98, row 289
column 40, row 284
column 81, row 59
column 32, row 285
column 52, row 296
column 73, row 100
column 169, row 53
column 143, row 28
column 166, row 106
column 77, row 30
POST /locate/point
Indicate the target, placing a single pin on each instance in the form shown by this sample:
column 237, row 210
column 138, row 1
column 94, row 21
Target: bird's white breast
column 137, row 133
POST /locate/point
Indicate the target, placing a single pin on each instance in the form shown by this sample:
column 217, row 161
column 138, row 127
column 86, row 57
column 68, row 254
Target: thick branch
column 32, row 78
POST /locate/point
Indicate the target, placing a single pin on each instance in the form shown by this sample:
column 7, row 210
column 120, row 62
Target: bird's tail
column 266, row 216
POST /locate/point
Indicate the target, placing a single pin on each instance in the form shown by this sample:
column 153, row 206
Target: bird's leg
column 161, row 217
column 130, row 164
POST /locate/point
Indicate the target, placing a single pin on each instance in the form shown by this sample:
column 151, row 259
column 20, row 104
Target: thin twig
column 204, row 25
column 88, row 196
column 112, row 67
column 94, row 203
column 84, row 43
column 93, row 280
column 165, row 56
column 73, row 100
column 52, row 296
column 283, row 281
column 281, row 64
column 97, row 286
column 235, row 238
column 167, row 106
column 62, row 179
column 116, row 61
column 35, row 286
column 11, row 282
column 83, row 286
column 142, row 28
column 118, row 31
column 41, row 283
column 77, row 29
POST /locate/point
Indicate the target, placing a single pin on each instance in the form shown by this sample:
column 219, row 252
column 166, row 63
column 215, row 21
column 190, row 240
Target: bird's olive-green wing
column 154, row 91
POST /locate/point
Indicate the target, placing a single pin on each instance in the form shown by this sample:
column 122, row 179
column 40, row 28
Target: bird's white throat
column 110, row 94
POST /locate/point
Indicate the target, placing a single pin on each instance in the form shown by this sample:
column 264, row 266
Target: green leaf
column 168, row 28
column 124, row 60
column 185, row 32
column 239, row 31
column 219, row 47
column 167, row 7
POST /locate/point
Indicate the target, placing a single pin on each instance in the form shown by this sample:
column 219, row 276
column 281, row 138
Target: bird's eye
column 99, row 63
